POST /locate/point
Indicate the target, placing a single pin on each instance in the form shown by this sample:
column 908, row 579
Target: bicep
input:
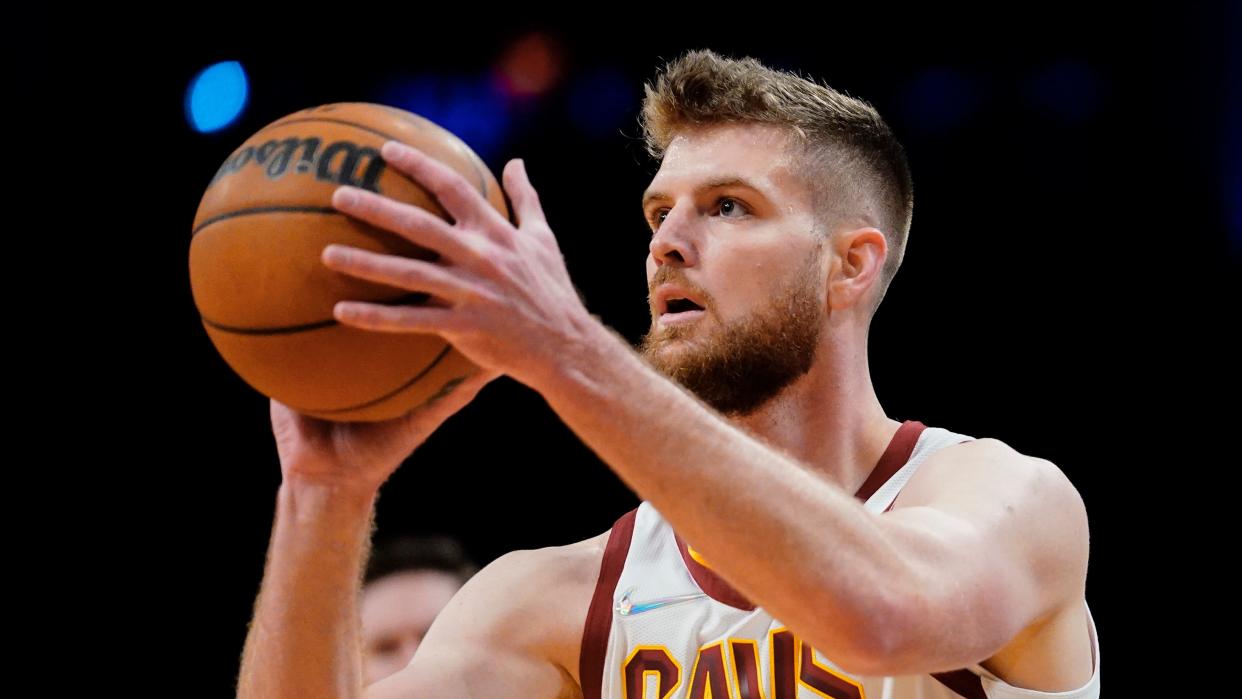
column 493, row 639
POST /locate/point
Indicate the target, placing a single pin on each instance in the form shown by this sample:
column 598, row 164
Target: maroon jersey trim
column 964, row 682
column 897, row 455
column 714, row 585
column 599, row 616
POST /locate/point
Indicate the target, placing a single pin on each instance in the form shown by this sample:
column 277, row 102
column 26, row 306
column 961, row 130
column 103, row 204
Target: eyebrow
column 714, row 183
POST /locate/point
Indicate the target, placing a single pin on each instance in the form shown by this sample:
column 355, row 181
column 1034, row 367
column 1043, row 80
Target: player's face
column 396, row 611
column 734, row 238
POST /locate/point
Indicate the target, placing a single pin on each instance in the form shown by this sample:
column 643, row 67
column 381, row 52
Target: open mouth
column 680, row 310
column 681, row 306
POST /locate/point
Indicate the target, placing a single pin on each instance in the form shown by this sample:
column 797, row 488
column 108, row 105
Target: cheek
column 747, row 276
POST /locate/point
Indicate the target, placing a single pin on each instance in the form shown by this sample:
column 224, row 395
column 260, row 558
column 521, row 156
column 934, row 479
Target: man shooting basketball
column 794, row 541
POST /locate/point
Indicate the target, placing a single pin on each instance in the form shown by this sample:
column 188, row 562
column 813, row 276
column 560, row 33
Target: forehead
column 406, row 597
column 761, row 154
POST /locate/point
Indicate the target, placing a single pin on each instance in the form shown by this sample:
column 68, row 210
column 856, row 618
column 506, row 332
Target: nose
column 673, row 242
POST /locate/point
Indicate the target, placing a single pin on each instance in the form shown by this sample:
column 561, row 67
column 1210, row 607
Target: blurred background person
column 408, row 580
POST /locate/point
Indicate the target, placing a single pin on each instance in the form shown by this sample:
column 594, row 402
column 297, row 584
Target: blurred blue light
column 601, row 102
column 1069, row 91
column 472, row 108
column 216, row 96
column 939, row 99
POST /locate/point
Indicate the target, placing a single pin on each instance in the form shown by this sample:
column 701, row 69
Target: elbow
column 876, row 645
column 889, row 647
column 868, row 637
column 924, row 633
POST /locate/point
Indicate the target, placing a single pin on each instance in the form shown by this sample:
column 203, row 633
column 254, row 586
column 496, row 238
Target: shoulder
column 1024, row 503
column 569, row 566
column 991, row 468
column 512, row 630
column 538, row 598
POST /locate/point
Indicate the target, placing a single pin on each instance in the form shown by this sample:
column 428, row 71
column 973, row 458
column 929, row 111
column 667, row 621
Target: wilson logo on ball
column 341, row 162
column 256, row 271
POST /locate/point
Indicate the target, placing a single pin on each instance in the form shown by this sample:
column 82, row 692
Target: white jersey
column 663, row 626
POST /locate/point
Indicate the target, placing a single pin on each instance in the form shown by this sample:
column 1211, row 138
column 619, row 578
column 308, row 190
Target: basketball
column 262, row 291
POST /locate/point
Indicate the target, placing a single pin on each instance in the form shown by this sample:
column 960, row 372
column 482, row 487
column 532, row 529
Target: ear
column 858, row 259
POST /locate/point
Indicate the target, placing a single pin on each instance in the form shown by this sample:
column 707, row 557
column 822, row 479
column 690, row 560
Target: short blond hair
column 852, row 161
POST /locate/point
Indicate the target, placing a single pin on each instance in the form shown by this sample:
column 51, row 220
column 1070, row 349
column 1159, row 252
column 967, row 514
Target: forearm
column 304, row 639
column 800, row 547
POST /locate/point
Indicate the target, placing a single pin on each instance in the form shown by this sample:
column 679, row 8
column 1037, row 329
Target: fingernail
column 346, row 197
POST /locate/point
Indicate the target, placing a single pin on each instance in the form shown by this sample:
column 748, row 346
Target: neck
column 829, row 419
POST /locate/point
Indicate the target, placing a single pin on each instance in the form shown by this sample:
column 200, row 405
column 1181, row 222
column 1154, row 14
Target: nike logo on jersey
column 626, row 606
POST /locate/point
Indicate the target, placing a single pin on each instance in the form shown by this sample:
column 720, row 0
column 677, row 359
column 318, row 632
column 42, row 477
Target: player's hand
column 504, row 297
column 360, row 456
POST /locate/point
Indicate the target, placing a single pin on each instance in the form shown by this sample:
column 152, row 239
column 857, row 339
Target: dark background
column 1068, row 288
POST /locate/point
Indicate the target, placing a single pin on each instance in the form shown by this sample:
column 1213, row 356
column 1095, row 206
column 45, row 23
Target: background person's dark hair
column 399, row 554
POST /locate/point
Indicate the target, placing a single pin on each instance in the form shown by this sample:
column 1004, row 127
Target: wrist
column 579, row 358
column 318, row 497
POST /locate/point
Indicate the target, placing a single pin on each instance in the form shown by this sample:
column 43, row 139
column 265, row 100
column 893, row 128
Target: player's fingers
column 400, row 272
column 415, row 224
column 463, row 200
column 462, row 391
column 394, row 319
column 522, row 193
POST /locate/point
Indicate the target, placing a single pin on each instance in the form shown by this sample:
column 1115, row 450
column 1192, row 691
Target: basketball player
column 794, row 540
column 408, row 582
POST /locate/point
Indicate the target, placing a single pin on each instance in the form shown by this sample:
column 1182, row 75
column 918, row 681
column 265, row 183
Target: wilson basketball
column 262, row 291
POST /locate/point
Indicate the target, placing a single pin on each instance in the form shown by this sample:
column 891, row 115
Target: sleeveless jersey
column 663, row 626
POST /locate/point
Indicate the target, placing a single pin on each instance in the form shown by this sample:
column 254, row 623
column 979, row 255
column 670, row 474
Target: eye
column 656, row 218
column 728, row 205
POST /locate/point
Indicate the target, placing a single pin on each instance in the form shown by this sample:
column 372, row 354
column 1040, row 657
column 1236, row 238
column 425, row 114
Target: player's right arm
column 515, row 629
column 304, row 639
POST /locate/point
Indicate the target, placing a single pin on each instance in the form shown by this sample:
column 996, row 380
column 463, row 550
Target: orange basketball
column 265, row 296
